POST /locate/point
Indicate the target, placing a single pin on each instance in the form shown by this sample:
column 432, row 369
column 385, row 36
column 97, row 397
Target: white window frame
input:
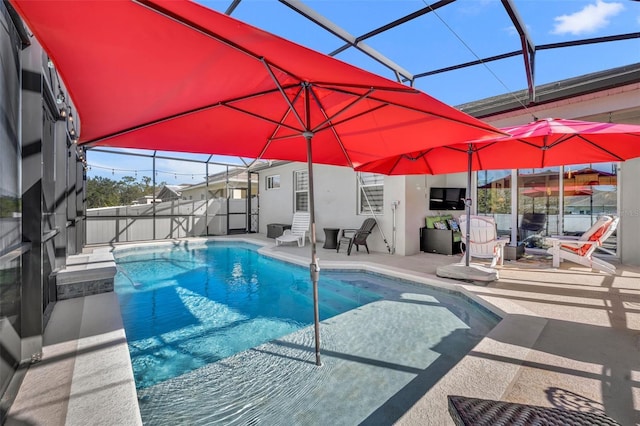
column 367, row 182
column 300, row 192
column 272, row 182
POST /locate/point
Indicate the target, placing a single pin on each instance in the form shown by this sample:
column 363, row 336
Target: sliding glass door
column 551, row 201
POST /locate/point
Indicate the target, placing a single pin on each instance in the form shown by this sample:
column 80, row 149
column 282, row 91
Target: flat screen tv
column 447, row 198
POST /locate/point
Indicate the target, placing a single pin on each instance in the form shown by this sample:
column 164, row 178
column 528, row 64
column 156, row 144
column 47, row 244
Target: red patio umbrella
column 541, row 143
column 173, row 75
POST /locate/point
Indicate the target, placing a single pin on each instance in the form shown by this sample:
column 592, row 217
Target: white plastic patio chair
column 298, row 231
column 581, row 250
column 484, row 241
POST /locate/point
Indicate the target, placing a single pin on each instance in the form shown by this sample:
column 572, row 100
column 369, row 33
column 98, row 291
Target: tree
column 130, row 190
column 105, row 192
column 102, row 192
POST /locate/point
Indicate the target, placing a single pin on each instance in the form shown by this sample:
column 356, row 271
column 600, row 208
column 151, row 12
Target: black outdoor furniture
column 330, row 238
column 274, row 230
column 532, row 227
column 467, row 411
column 357, row 237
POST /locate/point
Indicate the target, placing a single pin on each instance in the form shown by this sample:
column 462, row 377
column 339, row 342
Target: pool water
column 186, row 307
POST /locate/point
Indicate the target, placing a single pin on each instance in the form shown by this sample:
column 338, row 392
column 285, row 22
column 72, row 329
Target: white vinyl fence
column 165, row 220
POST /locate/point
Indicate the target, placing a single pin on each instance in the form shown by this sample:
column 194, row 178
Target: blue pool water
column 184, row 308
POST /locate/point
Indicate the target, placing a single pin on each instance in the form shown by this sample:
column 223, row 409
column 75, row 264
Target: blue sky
column 460, row 32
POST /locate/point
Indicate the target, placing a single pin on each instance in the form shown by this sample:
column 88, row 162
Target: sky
column 463, row 31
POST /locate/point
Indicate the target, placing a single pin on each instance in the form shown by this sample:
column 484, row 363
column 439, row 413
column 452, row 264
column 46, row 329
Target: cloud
column 512, row 31
column 588, row 20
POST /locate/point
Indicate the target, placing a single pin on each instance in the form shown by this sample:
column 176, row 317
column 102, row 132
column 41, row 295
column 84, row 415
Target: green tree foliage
column 9, row 206
column 496, row 201
column 105, row 192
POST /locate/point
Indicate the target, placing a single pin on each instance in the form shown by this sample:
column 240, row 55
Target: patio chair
column 298, row 231
column 357, row 237
column 581, row 250
column 484, row 241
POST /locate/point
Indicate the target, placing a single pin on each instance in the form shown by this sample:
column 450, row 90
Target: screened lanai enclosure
column 59, row 198
column 139, row 195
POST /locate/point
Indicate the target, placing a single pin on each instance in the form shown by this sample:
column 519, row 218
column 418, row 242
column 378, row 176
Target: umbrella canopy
column 173, row 75
column 542, row 143
column 176, row 76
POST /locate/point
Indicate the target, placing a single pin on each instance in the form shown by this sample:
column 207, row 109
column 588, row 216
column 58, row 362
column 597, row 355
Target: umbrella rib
column 284, row 95
column 204, row 31
column 186, row 113
column 336, row 86
column 579, row 136
column 278, row 126
column 427, row 164
column 409, row 108
column 394, row 165
column 269, row 120
column 422, row 156
column 328, row 119
column 333, row 129
column 353, row 117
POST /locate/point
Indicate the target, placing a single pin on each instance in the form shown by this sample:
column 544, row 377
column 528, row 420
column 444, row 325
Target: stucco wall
column 335, row 199
column 629, row 228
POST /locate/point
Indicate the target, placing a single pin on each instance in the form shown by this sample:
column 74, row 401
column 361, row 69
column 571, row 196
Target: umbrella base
column 458, row 271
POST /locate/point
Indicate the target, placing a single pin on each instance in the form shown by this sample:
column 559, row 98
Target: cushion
column 453, row 225
column 446, row 217
column 440, row 225
column 457, row 237
column 430, row 220
column 581, row 250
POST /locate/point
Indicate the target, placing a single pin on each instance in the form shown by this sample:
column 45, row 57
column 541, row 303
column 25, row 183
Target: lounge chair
column 298, row 231
column 357, row 237
column 484, row 241
column 581, row 250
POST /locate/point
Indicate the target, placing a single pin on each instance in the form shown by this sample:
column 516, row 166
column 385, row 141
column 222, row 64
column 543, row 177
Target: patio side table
column 330, row 238
column 274, row 230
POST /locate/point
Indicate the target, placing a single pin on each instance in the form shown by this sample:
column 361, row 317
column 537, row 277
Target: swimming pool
column 184, row 308
column 384, row 341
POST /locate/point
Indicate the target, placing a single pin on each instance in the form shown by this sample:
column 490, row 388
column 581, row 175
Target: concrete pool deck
column 569, row 338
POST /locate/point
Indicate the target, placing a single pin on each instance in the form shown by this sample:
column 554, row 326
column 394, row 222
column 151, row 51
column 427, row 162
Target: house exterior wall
column 336, row 204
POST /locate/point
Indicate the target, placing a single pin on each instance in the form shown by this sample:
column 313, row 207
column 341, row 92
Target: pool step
column 86, row 274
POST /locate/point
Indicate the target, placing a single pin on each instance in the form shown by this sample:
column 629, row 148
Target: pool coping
column 483, row 372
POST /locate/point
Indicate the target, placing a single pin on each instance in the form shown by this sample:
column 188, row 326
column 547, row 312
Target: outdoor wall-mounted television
column 447, row 198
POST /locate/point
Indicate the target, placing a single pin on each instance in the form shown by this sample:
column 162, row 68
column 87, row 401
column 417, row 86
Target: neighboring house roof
column 170, row 192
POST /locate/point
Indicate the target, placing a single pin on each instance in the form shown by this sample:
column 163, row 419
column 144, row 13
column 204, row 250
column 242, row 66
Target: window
column 273, row 182
column 370, row 193
column 301, row 191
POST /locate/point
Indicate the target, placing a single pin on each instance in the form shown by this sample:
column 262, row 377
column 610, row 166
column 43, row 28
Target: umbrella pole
column 467, row 202
column 314, row 267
